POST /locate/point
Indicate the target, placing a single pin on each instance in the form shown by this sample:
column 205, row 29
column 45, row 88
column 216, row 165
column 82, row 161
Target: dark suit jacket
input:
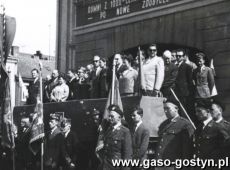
column 117, row 145
column 72, row 146
column 72, row 89
column 169, row 79
column 103, row 84
column 140, row 142
column 50, row 86
column 95, row 86
column 204, row 82
column 54, row 151
column 175, row 140
column 33, row 90
column 183, row 84
column 210, row 141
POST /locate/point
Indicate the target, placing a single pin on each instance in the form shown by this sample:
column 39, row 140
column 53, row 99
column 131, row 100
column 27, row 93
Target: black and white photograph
column 114, row 84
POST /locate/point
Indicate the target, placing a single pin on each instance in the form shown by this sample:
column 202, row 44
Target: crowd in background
column 193, row 84
column 191, row 81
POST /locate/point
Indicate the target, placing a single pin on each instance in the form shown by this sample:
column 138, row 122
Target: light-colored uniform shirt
column 60, row 93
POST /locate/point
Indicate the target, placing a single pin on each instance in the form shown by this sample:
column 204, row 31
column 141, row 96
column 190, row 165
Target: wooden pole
column 41, row 100
column 183, row 108
column 12, row 122
column 113, row 81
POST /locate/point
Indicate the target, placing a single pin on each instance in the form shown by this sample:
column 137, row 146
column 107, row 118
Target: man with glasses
column 184, row 85
column 95, row 88
column 153, row 72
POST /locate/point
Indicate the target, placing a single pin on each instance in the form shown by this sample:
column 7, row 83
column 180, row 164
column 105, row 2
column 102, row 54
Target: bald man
column 175, row 136
column 170, row 74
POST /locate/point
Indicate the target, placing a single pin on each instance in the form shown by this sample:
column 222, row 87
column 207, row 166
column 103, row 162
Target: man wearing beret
column 55, row 153
column 174, row 136
column 140, row 136
column 209, row 138
column 117, row 141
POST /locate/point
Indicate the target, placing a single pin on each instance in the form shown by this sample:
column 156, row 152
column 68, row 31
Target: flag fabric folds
column 112, row 99
column 37, row 128
column 7, row 127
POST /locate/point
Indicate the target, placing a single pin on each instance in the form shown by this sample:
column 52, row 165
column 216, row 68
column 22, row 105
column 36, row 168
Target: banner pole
column 183, row 108
column 41, row 100
column 12, row 122
column 113, row 81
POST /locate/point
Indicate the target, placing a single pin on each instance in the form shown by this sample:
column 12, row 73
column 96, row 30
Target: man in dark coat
column 117, row 141
column 34, row 87
column 210, row 138
column 140, row 136
column 170, row 75
column 71, row 143
column 95, row 88
column 175, row 136
column 72, row 83
column 24, row 155
column 184, row 88
column 55, row 153
column 51, row 84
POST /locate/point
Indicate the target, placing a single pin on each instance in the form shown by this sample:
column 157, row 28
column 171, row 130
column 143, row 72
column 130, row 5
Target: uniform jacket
column 140, row 142
column 153, row 71
column 117, row 145
column 33, row 90
column 184, row 85
column 54, row 152
column 72, row 89
column 175, row 139
column 204, row 82
column 210, row 141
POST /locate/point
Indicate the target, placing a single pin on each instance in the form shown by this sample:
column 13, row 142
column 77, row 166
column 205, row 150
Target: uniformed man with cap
column 140, row 136
column 71, row 143
column 116, row 140
column 55, row 153
column 217, row 109
column 174, row 136
column 209, row 138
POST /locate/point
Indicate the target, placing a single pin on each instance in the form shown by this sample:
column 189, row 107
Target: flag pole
column 41, row 100
column 113, row 81
column 140, row 71
column 186, row 114
column 12, row 128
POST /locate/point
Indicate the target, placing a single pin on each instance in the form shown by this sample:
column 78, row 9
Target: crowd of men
column 193, row 83
column 178, row 139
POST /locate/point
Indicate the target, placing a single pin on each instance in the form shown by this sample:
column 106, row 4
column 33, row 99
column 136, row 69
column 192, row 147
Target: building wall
column 203, row 24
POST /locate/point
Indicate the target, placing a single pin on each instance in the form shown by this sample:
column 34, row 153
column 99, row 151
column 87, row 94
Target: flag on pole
column 37, row 128
column 7, row 128
column 113, row 98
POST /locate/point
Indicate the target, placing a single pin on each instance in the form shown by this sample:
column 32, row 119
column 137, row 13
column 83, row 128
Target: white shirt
column 116, row 126
column 66, row 134
column 219, row 120
column 207, row 121
column 52, row 130
column 173, row 119
column 138, row 124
